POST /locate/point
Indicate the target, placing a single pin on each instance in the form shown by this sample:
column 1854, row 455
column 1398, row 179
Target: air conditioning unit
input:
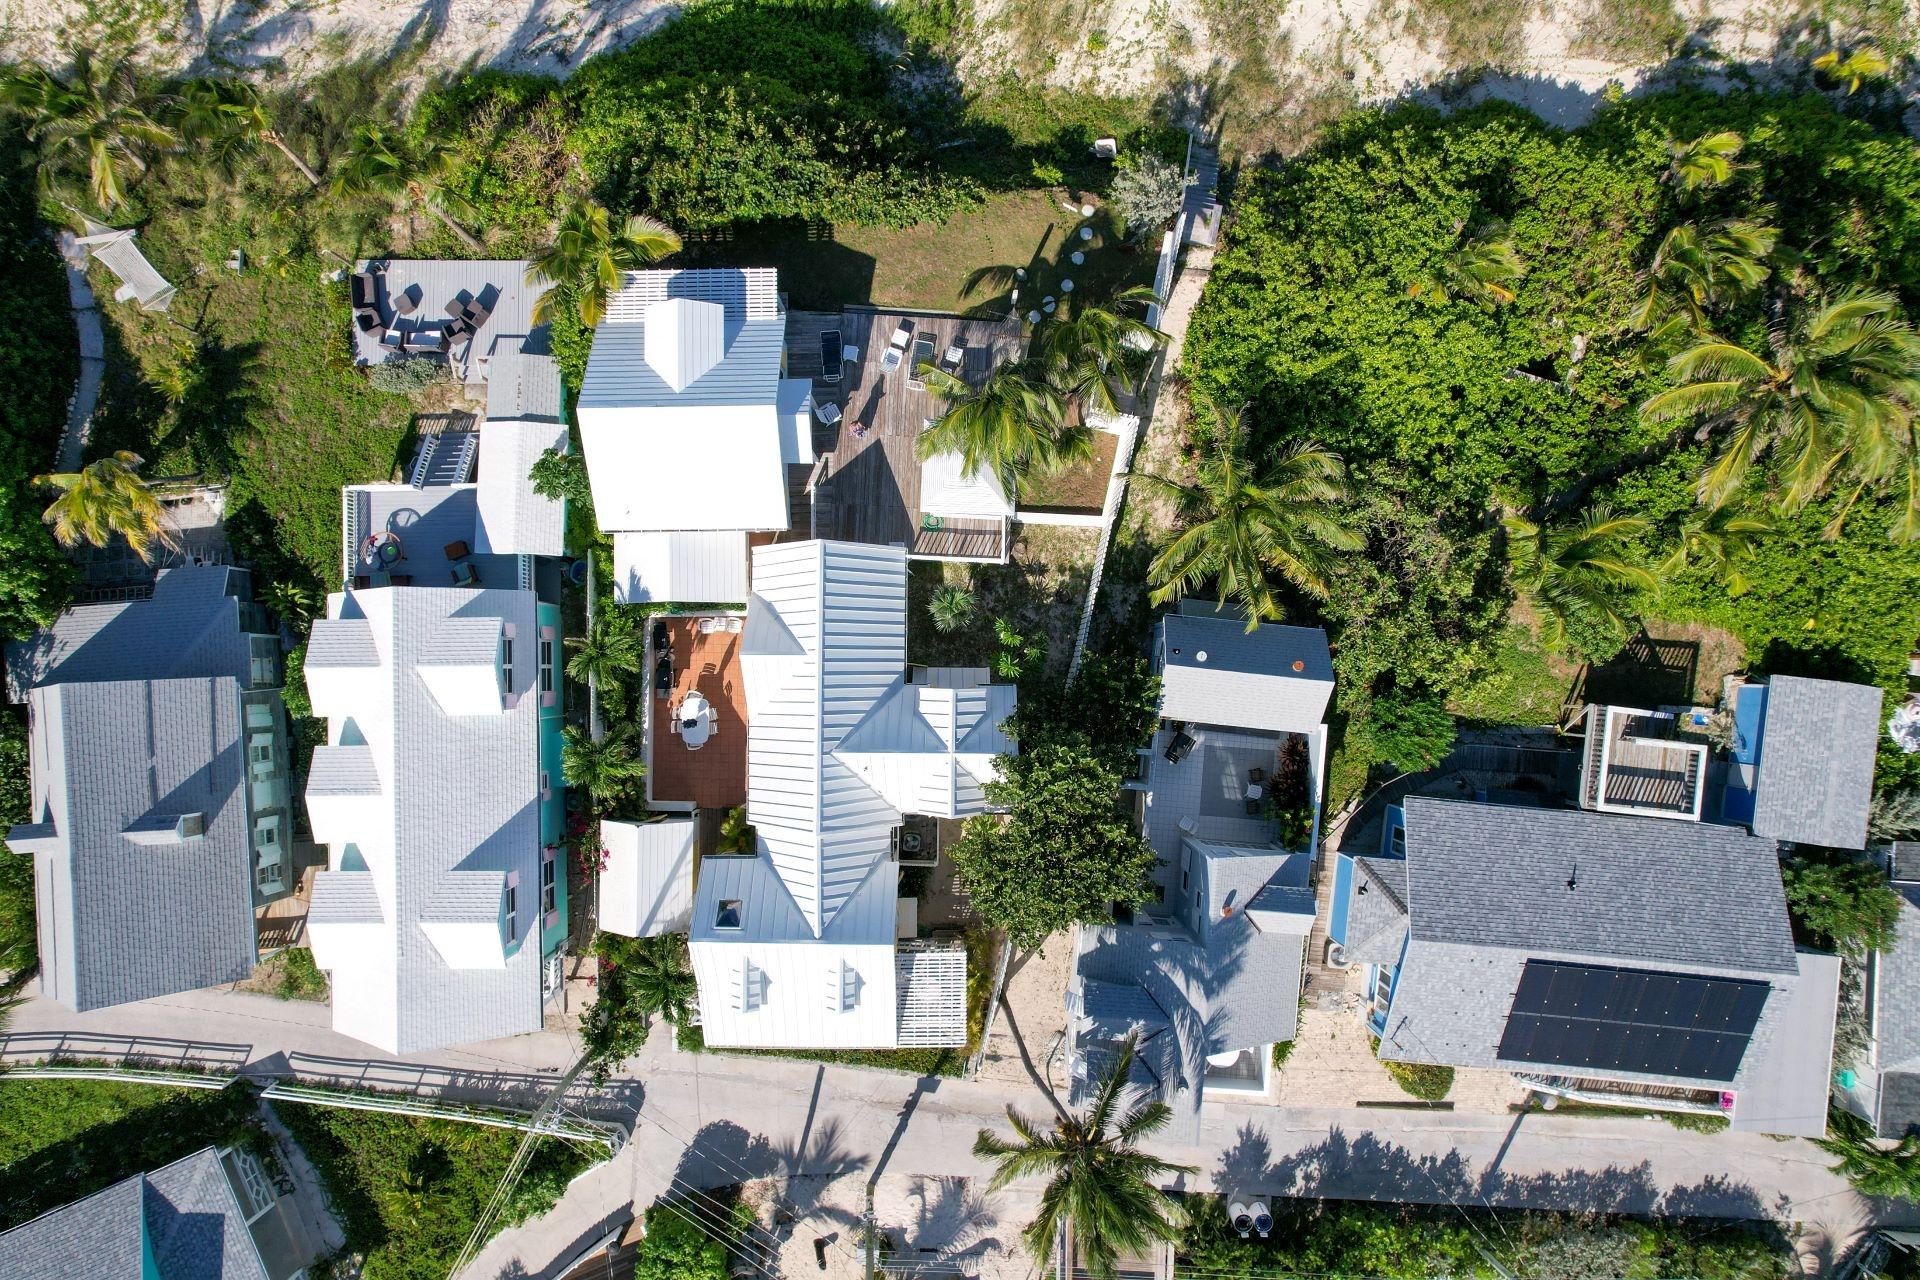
column 1337, row 956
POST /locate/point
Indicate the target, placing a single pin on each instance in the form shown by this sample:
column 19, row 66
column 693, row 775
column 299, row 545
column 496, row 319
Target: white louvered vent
column 749, row 987
column 843, row 988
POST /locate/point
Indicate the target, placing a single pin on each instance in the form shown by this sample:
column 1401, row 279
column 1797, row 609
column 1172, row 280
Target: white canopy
column 946, row 489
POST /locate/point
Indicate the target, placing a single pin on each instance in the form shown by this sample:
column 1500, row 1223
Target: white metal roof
column 947, row 489
column 839, row 746
column 700, row 446
column 427, row 816
column 512, row 519
column 689, row 568
column 647, row 887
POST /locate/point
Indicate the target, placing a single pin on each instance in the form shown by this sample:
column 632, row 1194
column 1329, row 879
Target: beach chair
column 897, row 347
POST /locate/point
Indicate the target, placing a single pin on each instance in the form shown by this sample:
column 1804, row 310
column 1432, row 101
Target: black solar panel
column 1607, row 1019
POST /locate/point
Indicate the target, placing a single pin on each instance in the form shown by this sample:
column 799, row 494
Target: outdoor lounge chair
column 956, row 355
column 366, row 294
column 457, row 331
column 457, row 550
column 828, row 413
column 475, row 314
column 897, row 347
column 423, row 340
column 922, row 359
column 407, row 301
column 369, row 324
column 831, row 354
column 464, row 574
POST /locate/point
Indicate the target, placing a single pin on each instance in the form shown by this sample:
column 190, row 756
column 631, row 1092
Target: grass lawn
column 64, row 1139
column 407, row 1190
column 929, row 266
column 1521, row 684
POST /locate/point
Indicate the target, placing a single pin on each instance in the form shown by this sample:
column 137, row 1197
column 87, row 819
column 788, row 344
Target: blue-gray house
column 162, row 814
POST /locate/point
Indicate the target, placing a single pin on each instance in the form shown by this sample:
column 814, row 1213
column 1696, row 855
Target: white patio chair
column 827, row 413
column 736, row 625
column 707, row 625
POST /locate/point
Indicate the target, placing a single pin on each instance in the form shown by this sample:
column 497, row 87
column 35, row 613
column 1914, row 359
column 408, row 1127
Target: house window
column 513, row 913
column 546, row 664
column 549, row 883
column 729, row 913
column 266, row 836
column 506, row 658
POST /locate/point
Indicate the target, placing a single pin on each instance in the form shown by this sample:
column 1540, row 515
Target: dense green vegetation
column 19, row 946
column 407, row 1190
column 64, row 1139
column 1458, row 305
column 686, row 1238
column 1408, row 1241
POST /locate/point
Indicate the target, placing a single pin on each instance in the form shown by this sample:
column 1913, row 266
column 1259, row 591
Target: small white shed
column 647, row 887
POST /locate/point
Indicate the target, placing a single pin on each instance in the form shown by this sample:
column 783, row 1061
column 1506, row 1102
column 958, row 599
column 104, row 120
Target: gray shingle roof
column 523, row 386
column 1896, row 995
column 1377, row 911
column 185, row 1214
column 190, row 627
column 110, row 759
column 1214, row 671
column 1817, row 749
column 1643, row 890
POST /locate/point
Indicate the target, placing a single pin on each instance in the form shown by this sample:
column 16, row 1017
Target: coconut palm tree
column 228, row 117
column 611, row 650
column 382, row 163
column 1578, row 576
column 1013, row 423
column 658, row 980
column 1100, row 1186
column 1710, row 160
column 1481, row 269
column 105, row 498
column 588, row 253
column 1093, row 355
column 1833, row 398
column 1891, row 1170
column 1235, row 523
column 1723, row 539
column 608, row 769
column 95, row 117
column 1700, row 268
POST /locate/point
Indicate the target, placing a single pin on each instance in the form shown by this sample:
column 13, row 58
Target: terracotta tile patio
column 715, row 776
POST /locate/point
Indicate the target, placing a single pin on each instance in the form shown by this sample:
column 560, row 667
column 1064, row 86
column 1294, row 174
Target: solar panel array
column 1609, row 1019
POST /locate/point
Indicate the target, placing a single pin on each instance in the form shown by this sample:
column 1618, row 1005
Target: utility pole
column 868, row 1229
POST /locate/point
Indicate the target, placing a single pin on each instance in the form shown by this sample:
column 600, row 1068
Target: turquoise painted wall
column 553, row 810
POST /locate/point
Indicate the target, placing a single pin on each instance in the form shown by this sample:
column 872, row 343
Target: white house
column 689, row 428
column 794, row 946
column 444, row 897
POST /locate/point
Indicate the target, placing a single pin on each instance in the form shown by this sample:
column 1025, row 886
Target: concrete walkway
column 701, row 1120
column 93, row 356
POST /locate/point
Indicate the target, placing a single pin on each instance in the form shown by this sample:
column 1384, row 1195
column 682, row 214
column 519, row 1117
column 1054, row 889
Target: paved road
column 708, row 1119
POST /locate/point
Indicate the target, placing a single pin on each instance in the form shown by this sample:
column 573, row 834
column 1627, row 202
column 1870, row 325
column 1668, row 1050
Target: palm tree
column 951, row 608
column 1235, row 525
column 1835, row 396
column 1697, row 269
column 96, row 117
column 1100, row 1186
column 1708, row 161
column 1722, row 538
column 611, row 650
column 1011, row 424
column 105, row 498
column 380, row 162
column 1480, row 269
column 589, row 252
column 1854, row 69
column 1873, row 1169
column 228, row 117
column 1578, row 574
column 658, row 979
column 608, row 769
column 1094, row 355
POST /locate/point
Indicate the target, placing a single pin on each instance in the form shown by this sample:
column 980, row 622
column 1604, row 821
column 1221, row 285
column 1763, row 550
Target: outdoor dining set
column 410, row 329
column 915, row 350
column 693, row 718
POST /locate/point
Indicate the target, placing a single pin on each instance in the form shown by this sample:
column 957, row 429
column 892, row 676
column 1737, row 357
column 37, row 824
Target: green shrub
column 678, row 1247
column 408, row 375
column 19, row 943
column 297, row 977
column 1148, row 192
column 1422, row 1080
column 1411, row 731
column 951, row 608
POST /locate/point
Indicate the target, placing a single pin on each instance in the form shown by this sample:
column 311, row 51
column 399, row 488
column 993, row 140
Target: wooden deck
column 869, row 489
column 715, row 776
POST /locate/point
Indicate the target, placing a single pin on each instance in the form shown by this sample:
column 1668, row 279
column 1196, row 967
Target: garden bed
column 1080, row 489
column 1038, row 593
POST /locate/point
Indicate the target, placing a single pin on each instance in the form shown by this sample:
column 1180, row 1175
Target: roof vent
column 1200, row 656
column 684, row 339
column 191, row 825
column 1299, row 665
